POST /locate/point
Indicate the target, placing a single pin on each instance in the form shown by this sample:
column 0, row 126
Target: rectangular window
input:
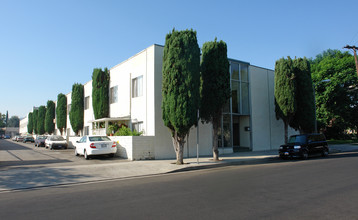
column 244, row 72
column 245, row 99
column 68, row 109
column 86, row 132
column 235, row 95
column 138, row 126
column 87, row 102
column 137, row 87
column 113, row 95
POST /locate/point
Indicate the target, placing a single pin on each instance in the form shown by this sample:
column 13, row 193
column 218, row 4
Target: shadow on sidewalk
column 8, row 164
column 271, row 160
column 34, row 178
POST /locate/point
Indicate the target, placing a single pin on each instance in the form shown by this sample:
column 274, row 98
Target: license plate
column 286, row 153
column 104, row 145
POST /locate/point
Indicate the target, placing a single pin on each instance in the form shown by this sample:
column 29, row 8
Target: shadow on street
column 273, row 160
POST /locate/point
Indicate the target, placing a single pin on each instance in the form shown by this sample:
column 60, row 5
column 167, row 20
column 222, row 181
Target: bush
column 125, row 131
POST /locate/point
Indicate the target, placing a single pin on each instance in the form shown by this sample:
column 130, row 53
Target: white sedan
column 95, row 145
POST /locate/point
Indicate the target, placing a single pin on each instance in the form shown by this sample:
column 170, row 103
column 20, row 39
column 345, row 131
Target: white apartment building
column 248, row 119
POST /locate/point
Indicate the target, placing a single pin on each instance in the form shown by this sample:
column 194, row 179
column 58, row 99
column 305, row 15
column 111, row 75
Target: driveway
column 18, row 154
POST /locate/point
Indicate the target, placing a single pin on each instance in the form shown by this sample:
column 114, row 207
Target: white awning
column 125, row 118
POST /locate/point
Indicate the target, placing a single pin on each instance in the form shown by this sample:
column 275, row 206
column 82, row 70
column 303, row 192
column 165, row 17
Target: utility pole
column 354, row 48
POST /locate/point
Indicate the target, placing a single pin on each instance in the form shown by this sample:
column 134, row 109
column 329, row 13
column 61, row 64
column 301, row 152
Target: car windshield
column 42, row 137
column 99, row 138
column 299, row 139
column 57, row 138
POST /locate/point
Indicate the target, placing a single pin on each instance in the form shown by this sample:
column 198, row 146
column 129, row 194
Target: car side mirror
column 77, row 142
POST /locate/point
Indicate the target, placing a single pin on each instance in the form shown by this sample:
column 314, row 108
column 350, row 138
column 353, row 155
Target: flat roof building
column 248, row 119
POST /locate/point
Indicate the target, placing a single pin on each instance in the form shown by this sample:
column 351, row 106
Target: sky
column 47, row 46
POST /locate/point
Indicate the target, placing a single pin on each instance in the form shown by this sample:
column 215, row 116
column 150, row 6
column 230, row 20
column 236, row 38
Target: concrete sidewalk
column 34, row 177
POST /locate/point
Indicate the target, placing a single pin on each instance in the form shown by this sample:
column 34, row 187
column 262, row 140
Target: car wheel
column 305, row 155
column 76, row 154
column 325, row 152
column 51, row 147
column 111, row 155
column 85, row 155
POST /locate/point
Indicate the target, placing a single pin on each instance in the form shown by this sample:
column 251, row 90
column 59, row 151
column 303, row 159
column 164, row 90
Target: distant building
column 10, row 131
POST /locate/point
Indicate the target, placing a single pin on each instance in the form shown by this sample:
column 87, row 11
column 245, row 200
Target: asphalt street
column 318, row 188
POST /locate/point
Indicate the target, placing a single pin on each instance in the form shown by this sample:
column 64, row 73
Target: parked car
column 40, row 141
column 7, row 137
column 28, row 139
column 15, row 137
column 19, row 138
column 304, row 145
column 95, row 145
column 55, row 141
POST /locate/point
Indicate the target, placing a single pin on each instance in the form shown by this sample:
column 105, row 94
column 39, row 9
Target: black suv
column 304, row 145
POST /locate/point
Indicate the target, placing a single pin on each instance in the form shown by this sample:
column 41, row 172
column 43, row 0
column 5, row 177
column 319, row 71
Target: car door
column 81, row 145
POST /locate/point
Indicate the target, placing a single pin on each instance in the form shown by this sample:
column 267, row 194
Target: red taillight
column 92, row 145
column 114, row 144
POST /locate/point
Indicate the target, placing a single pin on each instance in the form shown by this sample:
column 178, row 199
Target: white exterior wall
column 69, row 131
column 23, row 125
column 267, row 131
column 141, row 109
column 88, row 116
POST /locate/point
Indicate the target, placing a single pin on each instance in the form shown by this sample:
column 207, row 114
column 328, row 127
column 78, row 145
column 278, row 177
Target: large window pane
column 234, row 71
column 113, row 95
column 244, row 72
column 137, row 86
column 245, row 98
column 235, row 95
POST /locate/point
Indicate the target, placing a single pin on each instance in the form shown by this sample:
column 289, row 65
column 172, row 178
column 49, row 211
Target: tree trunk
column 178, row 144
column 215, row 138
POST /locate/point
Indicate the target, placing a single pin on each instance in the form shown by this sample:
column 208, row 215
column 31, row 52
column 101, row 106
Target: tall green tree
column 50, row 116
column 304, row 118
column 337, row 100
column 77, row 108
column 215, row 91
column 180, row 86
column 35, row 115
column 14, row 122
column 2, row 120
column 100, row 93
column 30, row 123
column 285, row 92
column 7, row 118
column 61, row 112
column 41, row 120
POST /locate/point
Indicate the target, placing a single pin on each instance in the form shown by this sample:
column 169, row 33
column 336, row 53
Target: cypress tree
column 41, row 120
column 34, row 120
column 100, row 93
column 30, row 124
column 304, row 118
column 50, row 116
column 285, row 92
column 215, row 91
column 77, row 108
column 61, row 112
column 180, row 86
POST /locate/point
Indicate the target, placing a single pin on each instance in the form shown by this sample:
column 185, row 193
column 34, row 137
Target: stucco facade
column 248, row 121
